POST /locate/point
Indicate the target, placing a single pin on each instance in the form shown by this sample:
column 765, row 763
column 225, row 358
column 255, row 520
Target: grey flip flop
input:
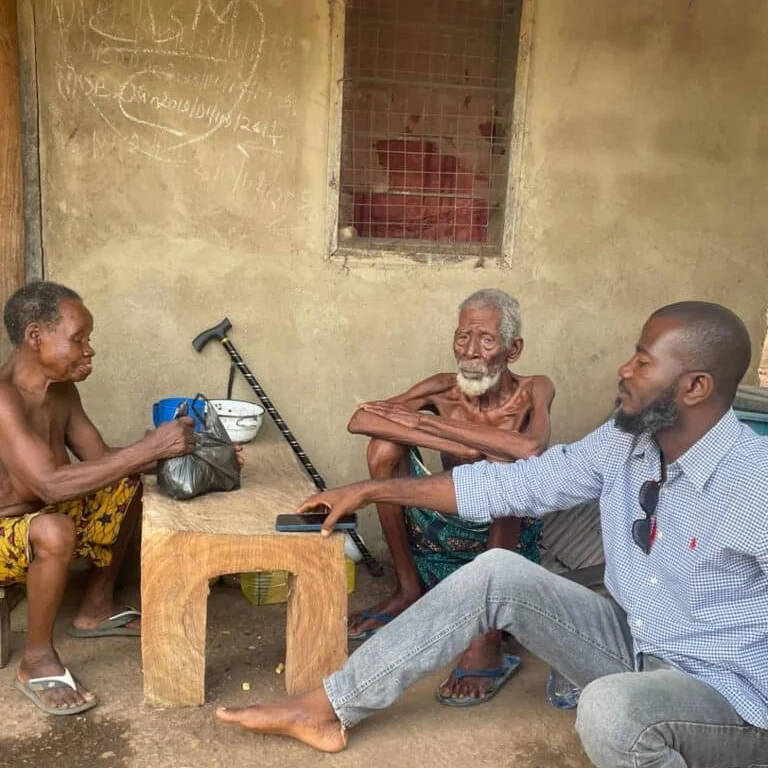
column 114, row 626
column 32, row 688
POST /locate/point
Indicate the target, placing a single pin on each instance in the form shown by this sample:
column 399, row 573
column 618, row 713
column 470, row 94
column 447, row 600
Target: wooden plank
column 11, row 225
column 336, row 93
column 30, row 143
column 762, row 371
column 519, row 123
column 9, row 597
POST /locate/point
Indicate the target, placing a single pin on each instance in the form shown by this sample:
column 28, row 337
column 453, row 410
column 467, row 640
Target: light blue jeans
column 658, row 718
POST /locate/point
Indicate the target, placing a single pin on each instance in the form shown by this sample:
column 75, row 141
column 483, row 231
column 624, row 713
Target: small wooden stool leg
column 174, row 603
column 316, row 625
column 5, row 628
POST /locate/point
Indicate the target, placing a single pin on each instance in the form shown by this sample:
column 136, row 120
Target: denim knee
column 608, row 722
column 502, row 568
column 496, row 561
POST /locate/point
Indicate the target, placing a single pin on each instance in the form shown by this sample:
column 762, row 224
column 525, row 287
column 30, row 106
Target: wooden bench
column 9, row 597
column 185, row 543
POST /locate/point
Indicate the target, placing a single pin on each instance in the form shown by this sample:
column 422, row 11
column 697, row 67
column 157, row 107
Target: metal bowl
column 241, row 419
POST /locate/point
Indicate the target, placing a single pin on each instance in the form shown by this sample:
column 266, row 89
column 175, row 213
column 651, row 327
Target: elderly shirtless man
column 51, row 510
column 483, row 411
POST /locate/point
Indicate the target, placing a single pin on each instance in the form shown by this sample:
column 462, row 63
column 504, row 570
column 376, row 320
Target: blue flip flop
column 382, row 618
column 498, row 677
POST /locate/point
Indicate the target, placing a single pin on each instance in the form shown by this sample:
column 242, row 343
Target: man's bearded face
column 661, row 413
column 481, row 354
column 479, row 384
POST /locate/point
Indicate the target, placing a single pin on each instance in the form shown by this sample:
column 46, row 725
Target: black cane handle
column 217, row 333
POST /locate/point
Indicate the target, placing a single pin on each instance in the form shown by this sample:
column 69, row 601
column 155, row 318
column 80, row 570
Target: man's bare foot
column 484, row 652
column 49, row 665
column 365, row 621
column 308, row 718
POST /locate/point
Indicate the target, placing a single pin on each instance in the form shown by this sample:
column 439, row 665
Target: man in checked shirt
column 674, row 662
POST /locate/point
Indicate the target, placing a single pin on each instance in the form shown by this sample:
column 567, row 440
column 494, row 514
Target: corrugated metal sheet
column 753, row 399
column 572, row 539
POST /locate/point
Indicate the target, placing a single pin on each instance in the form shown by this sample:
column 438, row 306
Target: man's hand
column 239, row 455
column 173, row 438
column 397, row 414
column 338, row 502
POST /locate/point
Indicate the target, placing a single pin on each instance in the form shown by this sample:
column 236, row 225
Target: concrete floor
column 245, row 645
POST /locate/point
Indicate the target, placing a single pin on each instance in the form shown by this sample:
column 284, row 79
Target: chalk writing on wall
column 165, row 78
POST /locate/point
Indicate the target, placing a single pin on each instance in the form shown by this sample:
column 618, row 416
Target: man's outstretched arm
column 564, row 476
column 435, row 492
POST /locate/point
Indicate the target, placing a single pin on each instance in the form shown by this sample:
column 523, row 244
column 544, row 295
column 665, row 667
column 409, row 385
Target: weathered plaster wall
column 643, row 182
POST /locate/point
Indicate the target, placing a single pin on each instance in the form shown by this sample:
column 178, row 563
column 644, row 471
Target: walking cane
column 219, row 333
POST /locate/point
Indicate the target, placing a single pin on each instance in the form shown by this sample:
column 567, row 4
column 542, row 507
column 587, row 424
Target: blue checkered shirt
column 699, row 600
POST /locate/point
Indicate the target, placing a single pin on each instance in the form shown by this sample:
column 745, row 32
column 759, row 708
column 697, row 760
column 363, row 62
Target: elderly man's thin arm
column 30, row 459
column 373, row 425
column 83, row 438
column 490, row 441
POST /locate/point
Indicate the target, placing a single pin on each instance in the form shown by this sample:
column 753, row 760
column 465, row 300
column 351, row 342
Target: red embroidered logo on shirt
column 694, row 541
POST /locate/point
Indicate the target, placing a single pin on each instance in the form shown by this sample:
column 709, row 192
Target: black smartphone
column 313, row 522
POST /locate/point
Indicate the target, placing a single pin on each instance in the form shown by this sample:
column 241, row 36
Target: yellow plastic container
column 271, row 587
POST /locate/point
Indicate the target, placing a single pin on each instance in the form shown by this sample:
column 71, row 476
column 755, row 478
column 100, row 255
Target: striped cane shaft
column 373, row 566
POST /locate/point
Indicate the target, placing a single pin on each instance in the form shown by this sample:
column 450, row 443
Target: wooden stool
column 185, row 543
column 9, row 597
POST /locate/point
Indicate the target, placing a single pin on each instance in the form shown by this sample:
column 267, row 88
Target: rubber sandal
column 498, row 678
column 382, row 618
column 32, row 688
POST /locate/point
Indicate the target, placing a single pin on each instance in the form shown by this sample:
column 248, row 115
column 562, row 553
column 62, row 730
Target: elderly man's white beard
column 477, row 387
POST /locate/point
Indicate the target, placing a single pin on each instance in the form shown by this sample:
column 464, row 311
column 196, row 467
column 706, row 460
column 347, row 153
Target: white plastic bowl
column 241, row 419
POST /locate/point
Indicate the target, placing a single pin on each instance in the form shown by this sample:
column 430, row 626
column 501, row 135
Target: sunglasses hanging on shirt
column 644, row 531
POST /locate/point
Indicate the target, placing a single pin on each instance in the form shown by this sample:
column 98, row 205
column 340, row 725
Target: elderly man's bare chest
column 48, row 421
column 512, row 415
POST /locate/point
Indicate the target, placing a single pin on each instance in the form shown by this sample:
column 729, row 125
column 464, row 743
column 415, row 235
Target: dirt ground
column 245, row 645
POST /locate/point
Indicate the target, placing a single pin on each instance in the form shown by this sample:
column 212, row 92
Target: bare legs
column 484, row 651
column 386, row 460
column 52, row 541
column 98, row 601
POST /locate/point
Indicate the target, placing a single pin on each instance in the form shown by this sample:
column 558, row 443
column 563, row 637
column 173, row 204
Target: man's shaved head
column 36, row 302
column 714, row 340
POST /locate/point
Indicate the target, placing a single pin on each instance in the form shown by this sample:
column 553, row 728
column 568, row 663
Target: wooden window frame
column 425, row 253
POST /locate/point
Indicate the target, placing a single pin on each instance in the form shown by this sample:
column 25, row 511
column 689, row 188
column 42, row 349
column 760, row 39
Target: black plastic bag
column 212, row 466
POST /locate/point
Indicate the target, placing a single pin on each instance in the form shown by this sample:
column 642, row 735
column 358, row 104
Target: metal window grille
column 427, row 103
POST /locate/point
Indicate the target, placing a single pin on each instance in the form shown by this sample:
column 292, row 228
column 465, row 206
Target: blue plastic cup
column 165, row 410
